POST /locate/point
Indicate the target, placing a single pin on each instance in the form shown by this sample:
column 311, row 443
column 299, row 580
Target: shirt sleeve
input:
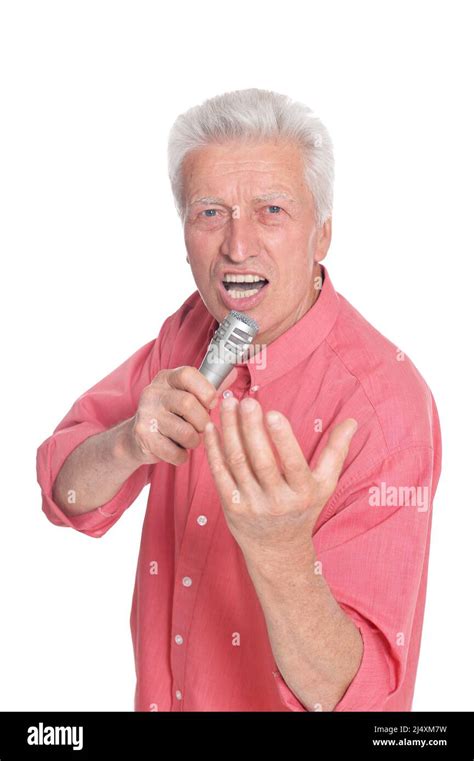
column 108, row 402
column 373, row 548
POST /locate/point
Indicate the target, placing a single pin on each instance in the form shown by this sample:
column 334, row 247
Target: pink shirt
column 199, row 635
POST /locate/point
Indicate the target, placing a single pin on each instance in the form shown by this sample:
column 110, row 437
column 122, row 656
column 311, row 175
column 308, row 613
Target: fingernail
column 353, row 428
column 229, row 403
column 273, row 419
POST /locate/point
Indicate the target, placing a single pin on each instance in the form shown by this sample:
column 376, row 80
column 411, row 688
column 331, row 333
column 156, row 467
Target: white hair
column 255, row 114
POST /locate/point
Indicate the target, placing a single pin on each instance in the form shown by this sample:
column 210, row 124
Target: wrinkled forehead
column 263, row 169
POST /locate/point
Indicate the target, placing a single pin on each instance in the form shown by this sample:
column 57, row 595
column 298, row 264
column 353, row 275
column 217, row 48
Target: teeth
column 242, row 294
column 242, row 278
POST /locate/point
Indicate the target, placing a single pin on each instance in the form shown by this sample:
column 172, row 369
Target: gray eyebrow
column 208, row 199
column 265, row 197
column 273, row 196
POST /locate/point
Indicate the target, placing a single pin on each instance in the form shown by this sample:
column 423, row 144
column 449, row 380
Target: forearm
column 96, row 470
column 315, row 644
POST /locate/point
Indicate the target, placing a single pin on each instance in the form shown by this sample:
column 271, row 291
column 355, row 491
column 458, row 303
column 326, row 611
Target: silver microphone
column 228, row 346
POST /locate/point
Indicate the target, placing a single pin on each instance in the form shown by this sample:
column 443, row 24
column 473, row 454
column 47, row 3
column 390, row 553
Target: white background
column 93, row 261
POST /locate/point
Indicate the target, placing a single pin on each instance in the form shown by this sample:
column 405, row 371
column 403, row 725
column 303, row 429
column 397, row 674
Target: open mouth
column 243, row 286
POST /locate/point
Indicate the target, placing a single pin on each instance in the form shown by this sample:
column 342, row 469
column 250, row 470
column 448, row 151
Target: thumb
column 329, row 465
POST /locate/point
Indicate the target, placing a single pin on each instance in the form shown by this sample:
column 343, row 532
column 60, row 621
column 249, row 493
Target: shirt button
column 254, row 388
column 187, row 581
column 179, row 695
column 227, row 393
column 178, row 639
column 202, row 520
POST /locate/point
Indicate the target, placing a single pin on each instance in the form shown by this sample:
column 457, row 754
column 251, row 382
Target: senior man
column 284, row 553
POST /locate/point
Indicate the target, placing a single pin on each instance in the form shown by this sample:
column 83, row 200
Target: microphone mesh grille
column 253, row 324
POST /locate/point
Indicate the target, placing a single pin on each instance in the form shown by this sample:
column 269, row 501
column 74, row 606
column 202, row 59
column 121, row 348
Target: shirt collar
column 295, row 344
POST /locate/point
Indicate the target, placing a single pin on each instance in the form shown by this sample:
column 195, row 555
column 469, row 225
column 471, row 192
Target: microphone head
column 228, row 346
column 253, row 324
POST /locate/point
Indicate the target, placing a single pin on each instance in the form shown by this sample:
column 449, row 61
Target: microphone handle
column 215, row 372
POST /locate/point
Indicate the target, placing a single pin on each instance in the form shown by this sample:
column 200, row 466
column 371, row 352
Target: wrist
column 274, row 562
column 125, row 449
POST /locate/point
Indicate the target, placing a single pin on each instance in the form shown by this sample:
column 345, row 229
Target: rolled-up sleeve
column 373, row 547
column 110, row 401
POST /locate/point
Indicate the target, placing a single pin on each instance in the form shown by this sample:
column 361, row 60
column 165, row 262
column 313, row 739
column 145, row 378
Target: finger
column 258, row 445
column 171, row 452
column 293, row 462
column 225, row 484
column 178, row 430
column 188, row 407
column 187, row 378
column 234, row 450
column 331, row 460
column 163, row 448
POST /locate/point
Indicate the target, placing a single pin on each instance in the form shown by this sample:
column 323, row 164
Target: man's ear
column 323, row 240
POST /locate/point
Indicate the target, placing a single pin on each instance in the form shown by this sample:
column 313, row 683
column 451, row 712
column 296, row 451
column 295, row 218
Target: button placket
column 197, row 538
column 204, row 513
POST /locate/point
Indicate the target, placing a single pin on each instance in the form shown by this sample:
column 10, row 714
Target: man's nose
column 240, row 241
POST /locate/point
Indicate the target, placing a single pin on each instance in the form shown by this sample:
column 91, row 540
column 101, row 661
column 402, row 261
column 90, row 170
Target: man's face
column 249, row 210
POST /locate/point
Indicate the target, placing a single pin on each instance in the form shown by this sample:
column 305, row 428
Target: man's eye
column 209, row 212
column 274, row 209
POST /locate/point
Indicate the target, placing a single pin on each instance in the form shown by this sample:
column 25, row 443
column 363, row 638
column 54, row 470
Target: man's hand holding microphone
column 171, row 415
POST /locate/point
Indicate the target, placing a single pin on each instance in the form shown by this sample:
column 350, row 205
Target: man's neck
column 268, row 337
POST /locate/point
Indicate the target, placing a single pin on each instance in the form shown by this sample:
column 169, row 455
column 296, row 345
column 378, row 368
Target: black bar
column 141, row 735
